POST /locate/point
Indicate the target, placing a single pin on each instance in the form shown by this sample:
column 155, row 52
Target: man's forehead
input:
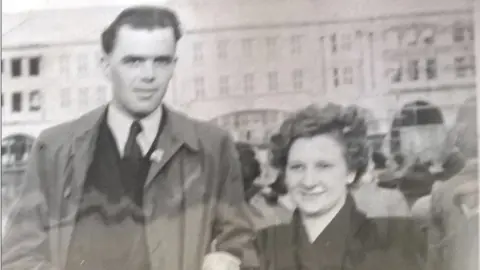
column 129, row 37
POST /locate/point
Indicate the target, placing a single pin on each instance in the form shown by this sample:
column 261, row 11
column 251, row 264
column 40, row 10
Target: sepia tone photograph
column 239, row 135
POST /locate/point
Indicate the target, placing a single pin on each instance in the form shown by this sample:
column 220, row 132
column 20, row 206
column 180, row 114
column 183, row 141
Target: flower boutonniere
column 156, row 155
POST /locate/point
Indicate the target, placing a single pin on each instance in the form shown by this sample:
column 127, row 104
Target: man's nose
column 148, row 72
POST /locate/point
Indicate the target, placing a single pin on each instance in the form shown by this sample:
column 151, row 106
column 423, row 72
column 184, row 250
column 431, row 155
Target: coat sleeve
column 25, row 242
column 435, row 233
column 233, row 223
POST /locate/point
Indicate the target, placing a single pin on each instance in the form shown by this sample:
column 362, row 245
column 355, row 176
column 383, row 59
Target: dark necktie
column 132, row 149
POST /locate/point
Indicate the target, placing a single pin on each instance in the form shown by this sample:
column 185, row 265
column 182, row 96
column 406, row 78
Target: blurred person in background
column 373, row 200
column 420, row 154
column 453, row 230
column 320, row 151
column 251, row 169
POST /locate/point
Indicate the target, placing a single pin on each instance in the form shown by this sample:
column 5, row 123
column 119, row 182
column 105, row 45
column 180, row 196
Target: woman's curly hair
column 347, row 124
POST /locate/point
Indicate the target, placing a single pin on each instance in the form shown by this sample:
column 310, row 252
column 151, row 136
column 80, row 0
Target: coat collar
column 177, row 125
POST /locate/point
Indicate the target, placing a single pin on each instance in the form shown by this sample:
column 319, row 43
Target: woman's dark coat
column 350, row 242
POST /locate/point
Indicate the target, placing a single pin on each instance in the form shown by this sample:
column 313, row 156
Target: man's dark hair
column 140, row 17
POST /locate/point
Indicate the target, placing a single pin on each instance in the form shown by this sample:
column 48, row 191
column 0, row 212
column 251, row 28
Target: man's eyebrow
column 133, row 58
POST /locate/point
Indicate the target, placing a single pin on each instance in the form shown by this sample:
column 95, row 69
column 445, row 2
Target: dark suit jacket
column 350, row 242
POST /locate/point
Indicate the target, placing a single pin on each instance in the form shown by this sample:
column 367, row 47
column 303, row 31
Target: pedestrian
column 453, row 230
column 133, row 184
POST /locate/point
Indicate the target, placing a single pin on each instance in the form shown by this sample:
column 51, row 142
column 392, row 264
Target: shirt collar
column 119, row 123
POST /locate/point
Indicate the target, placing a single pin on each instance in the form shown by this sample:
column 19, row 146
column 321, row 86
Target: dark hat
column 418, row 113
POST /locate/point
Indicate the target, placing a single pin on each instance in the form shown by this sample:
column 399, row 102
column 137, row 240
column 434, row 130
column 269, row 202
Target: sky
column 11, row 6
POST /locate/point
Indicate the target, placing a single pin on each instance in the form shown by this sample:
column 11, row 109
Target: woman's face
column 317, row 174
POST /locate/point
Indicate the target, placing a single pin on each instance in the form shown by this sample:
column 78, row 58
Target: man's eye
column 295, row 167
column 163, row 61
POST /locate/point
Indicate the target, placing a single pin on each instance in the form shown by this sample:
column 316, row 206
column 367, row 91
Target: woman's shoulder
column 387, row 232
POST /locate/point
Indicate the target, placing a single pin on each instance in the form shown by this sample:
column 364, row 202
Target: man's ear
column 105, row 65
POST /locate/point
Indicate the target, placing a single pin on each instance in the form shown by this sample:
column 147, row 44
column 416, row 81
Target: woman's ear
column 351, row 177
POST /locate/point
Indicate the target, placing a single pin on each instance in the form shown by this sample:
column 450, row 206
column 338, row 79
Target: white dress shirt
column 120, row 122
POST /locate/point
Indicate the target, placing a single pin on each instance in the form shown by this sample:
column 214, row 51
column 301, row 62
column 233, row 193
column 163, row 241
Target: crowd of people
column 135, row 185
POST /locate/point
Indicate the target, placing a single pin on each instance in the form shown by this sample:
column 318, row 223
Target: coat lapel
column 177, row 131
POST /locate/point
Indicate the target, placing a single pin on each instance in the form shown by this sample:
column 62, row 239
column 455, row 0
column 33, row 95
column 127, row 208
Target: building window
column 473, row 63
column 224, row 85
column 412, row 70
column 83, row 97
column 15, row 150
column 65, row 98
column 3, row 66
column 459, row 32
column 273, row 81
column 101, row 95
column 82, row 64
column 64, row 65
column 333, row 41
column 396, row 72
column 34, row 66
column 336, row 79
column 197, row 52
column 2, row 100
column 348, row 75
column 247, row 47
column 297, row 78
column 296, row 44
column 199, row 85
column 35, row 101
column 17, row 102
column 222, row 47
column 428, row 36
column 248, row 83
column 347, row 42
column 272, row 45
column 16, row 64
column 431, row 68
column 410, row 38
column 461, row 66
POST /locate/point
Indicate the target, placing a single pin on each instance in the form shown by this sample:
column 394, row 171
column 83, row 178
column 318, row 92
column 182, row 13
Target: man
column 131, row 185
column 453, row 230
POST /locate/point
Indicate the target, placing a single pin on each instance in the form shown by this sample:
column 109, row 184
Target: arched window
column 15, row 150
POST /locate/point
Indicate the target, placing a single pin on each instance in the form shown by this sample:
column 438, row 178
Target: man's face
column 140, row 67
column 425, row 142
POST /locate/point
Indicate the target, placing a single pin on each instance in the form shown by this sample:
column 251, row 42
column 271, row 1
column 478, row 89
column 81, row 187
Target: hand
column 220, row 261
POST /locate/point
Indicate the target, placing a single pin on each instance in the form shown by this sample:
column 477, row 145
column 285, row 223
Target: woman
column 319, row 151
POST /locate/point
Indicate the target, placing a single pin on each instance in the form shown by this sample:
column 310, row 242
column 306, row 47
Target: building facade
column 245, row 67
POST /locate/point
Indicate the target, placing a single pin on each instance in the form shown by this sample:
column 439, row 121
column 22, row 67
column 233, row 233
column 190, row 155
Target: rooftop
column 45, row 27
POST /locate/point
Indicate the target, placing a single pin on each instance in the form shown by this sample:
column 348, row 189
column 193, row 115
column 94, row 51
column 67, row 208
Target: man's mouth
column 144, row 93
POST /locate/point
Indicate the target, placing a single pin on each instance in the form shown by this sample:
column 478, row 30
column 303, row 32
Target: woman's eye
column 323, row 165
